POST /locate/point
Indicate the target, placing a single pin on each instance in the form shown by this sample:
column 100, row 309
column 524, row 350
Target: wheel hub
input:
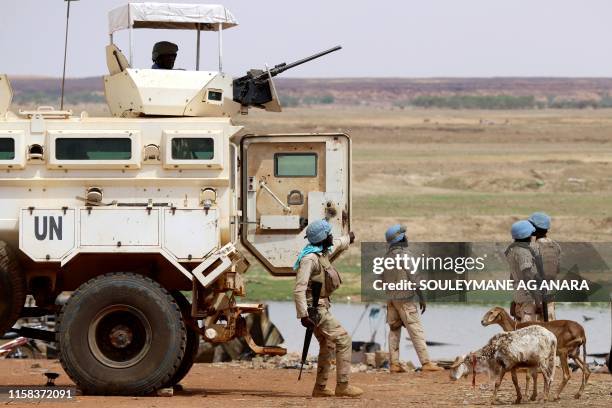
column 120, row 336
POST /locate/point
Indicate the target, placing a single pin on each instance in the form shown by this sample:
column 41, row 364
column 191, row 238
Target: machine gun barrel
column 280, row 68
column 256, row 88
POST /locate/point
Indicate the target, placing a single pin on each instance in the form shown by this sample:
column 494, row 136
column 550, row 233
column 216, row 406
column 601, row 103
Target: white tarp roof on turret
column 170, row 16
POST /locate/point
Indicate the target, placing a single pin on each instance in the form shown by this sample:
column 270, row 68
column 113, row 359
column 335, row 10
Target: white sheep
column 533, row 347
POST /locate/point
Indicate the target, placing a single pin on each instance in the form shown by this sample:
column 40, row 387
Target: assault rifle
column 314, row 316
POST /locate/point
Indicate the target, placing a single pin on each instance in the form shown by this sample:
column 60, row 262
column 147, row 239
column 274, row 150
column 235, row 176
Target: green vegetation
column 293, row 101
column 263, row 286
column 474, row 102
column 402, row 205
column 504, row 102
column 289, row 101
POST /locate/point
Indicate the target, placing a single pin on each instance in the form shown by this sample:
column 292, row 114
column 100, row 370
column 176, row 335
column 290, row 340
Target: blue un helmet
column 522, row 229
column 540, row 220
column 395, row 234
column 318, row 231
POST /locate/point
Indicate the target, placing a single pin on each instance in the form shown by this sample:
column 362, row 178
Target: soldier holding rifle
column 316, row 274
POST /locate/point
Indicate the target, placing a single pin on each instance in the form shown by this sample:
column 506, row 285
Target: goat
column 532, row 347
column 570, row 336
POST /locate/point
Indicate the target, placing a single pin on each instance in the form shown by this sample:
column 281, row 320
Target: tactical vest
column 327, row 275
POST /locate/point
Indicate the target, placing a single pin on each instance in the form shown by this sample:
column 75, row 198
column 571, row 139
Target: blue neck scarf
column 308, row 249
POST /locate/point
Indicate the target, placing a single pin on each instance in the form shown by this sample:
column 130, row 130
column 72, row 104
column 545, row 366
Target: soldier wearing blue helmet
column 313, row 265
column 402, row 307
column 521, row 259
column 548, row 249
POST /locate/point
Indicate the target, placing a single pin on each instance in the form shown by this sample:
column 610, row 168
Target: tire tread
column 100, row 389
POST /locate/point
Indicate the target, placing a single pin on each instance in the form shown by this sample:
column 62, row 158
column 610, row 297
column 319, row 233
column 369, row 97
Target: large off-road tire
column 193, row 343
column 121, row 334
column 12, row 288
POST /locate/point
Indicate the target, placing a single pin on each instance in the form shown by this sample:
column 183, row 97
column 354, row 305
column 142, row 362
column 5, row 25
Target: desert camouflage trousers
column 527, row 312
column 331, row 335
column 402, row 313
column 551, row 311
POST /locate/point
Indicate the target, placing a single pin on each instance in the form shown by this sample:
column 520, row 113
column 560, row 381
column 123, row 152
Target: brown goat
column 570, row 336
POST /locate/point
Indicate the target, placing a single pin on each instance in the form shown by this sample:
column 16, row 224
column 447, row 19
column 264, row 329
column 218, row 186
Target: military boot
column 396, row 368
column 321, row 391
column 429, row 366
column 346, row 390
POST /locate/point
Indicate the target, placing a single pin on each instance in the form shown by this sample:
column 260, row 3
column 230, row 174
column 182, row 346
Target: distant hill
column 493, row 93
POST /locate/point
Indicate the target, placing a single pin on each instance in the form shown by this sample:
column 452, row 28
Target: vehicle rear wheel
column 12, row 288
column 193, row 343
column 121, row 334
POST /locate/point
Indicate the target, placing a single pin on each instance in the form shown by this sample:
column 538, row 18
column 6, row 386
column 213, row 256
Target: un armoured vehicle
column 131, row 212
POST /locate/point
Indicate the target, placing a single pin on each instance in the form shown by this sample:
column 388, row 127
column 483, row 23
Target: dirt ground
column 231, row 385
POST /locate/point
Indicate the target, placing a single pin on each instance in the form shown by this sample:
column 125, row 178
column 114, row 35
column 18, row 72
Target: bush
column 475, row 102
column 289, row 101
column 318, row 100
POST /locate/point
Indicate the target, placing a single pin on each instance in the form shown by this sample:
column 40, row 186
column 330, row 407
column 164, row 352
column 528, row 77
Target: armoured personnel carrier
column 131, row 212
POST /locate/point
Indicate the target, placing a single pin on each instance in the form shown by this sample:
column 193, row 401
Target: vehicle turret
column 134, row 91
column 158, row 92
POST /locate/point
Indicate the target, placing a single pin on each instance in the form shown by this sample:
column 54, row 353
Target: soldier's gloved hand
column 352, row 236
column 307, row 322
column 423, row 306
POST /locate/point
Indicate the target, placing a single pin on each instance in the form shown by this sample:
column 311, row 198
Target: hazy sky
column 384, row 38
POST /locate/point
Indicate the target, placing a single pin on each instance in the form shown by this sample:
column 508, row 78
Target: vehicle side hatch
column 289, row 181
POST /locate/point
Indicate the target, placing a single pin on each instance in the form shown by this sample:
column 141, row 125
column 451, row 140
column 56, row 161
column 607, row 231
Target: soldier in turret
column 313, row 265
column 548, row 249
column 164, row 55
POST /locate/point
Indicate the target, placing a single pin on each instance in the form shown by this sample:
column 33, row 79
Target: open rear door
column 287, row 182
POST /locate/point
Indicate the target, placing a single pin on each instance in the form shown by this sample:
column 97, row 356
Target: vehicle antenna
column 65, row 52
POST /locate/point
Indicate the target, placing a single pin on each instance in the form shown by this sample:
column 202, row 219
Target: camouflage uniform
column 550, row 251
column 522, row 268
column 403, row 310
column 329, row 332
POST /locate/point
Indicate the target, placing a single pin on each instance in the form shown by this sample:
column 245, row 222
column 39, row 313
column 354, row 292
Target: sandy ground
column 229, row 385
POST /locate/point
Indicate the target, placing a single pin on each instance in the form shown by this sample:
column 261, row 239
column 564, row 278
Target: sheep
column 533, row 347
column 570, row 336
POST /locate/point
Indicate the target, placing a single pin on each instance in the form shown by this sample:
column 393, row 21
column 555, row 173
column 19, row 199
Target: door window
column 295, row 165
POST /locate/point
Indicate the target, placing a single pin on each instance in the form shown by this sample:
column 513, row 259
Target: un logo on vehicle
column 51, row 226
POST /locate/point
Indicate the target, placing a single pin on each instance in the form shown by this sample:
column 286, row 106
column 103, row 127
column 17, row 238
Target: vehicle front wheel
column 121, row 334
